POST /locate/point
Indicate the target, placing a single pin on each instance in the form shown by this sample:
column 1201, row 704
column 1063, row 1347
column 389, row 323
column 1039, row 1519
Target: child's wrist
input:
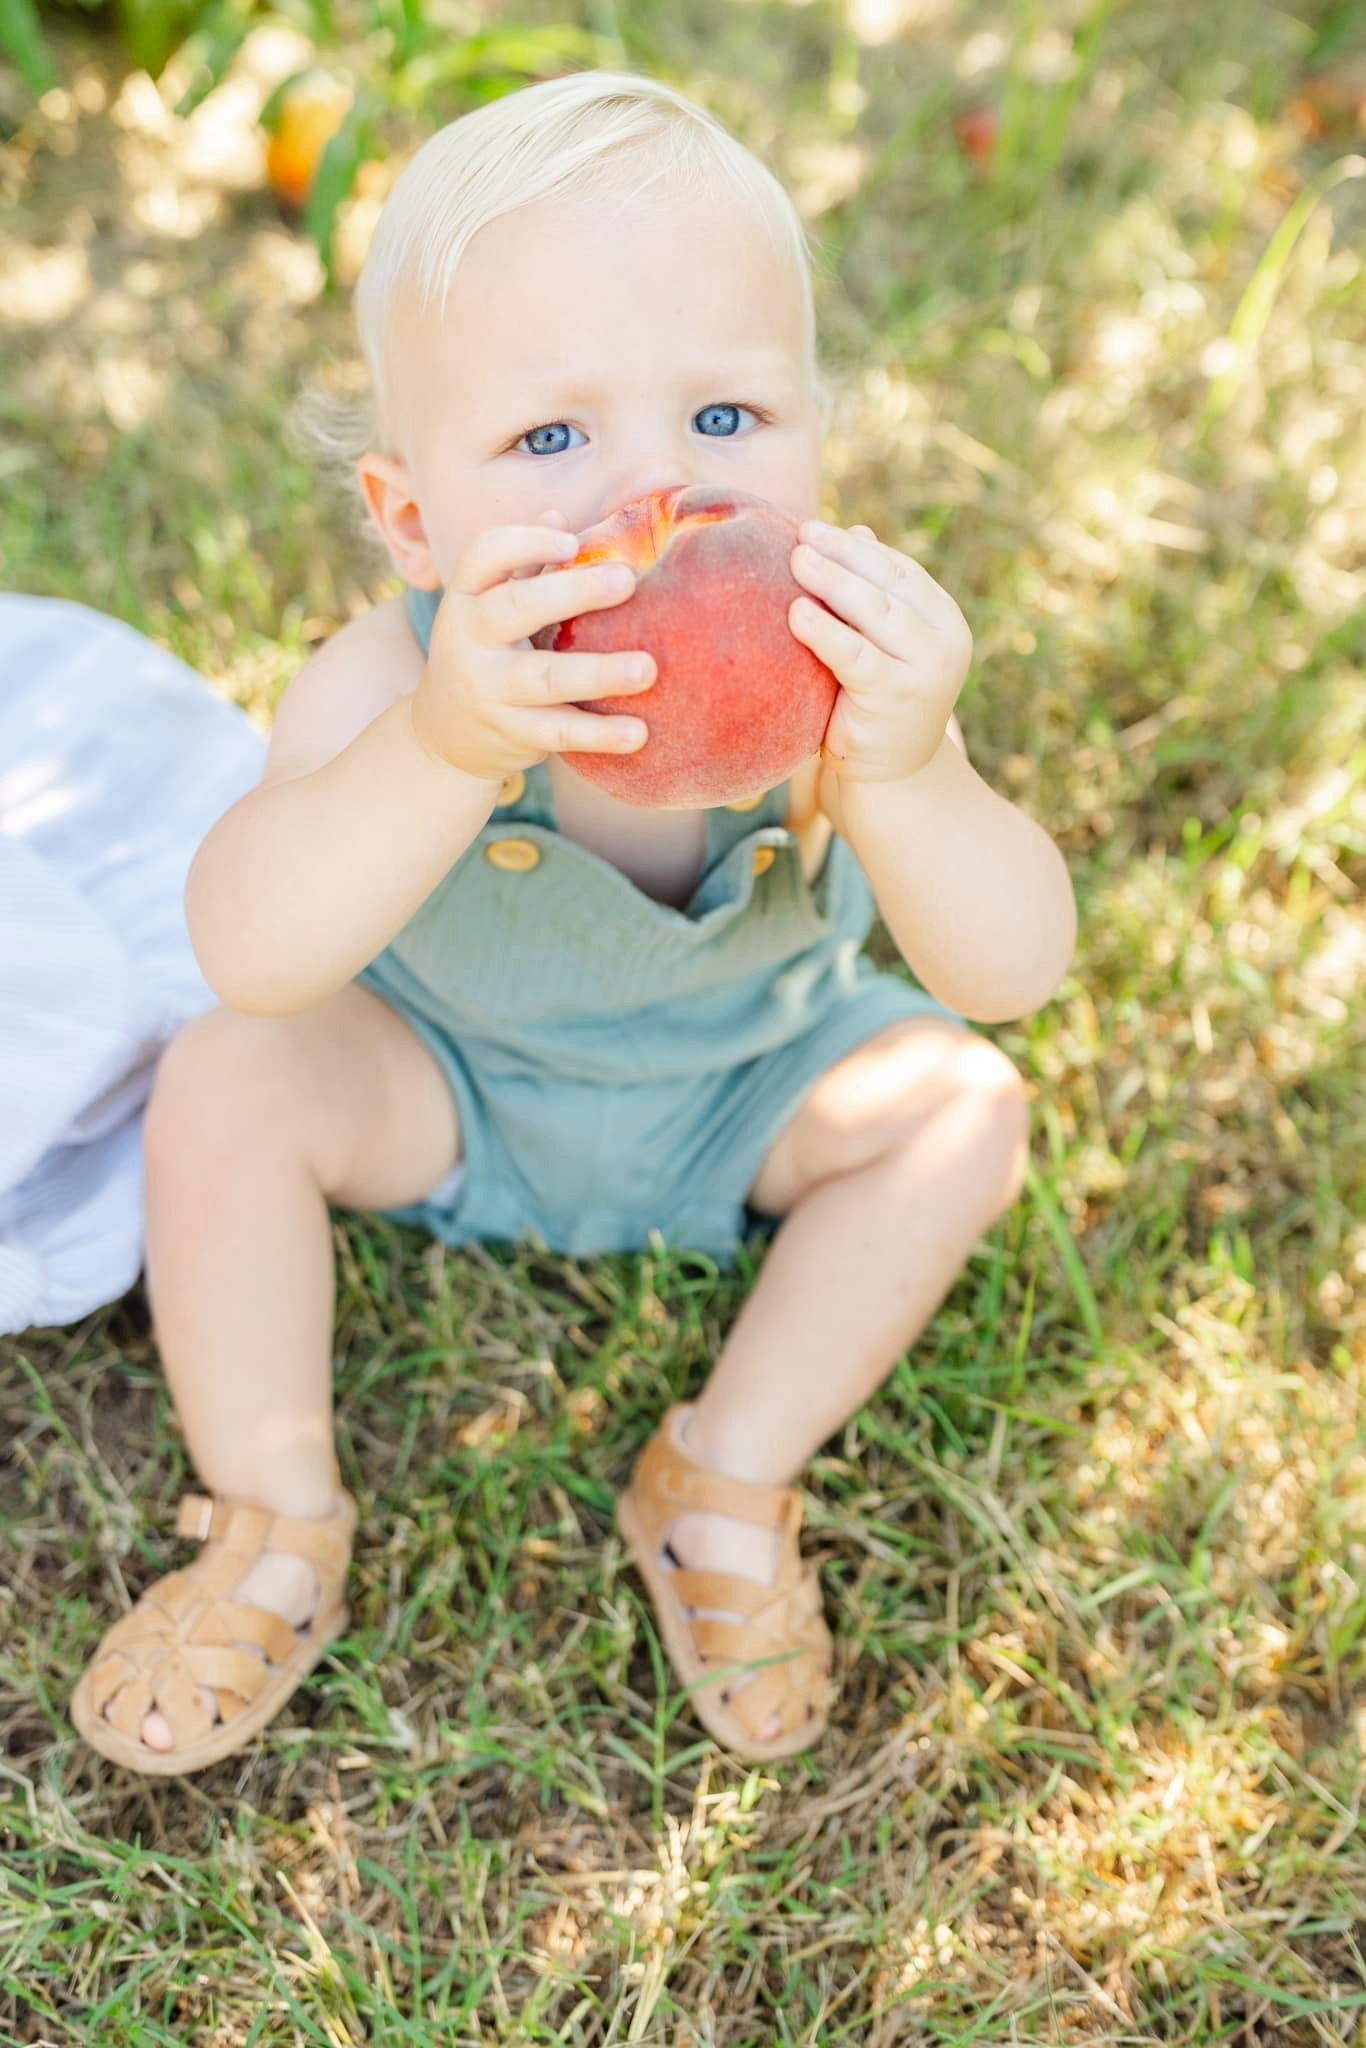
column 941, row 771
column 430, row 747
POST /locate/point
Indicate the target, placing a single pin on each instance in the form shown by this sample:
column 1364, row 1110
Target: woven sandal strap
column 180, row 1703
column 108, row 1673
column 127, row 1705
column 727, row 1642
column 666, row 1469
column 722, row 1592
column 223, row 1668
column 224, row 1623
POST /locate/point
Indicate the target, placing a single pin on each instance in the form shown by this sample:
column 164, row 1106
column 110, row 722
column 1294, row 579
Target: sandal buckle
column 194, row 1517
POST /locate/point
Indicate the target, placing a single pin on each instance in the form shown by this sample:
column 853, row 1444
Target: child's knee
column 220, row 1084
column 988, row 1071
column 1010, row 1098
column 993, row 1087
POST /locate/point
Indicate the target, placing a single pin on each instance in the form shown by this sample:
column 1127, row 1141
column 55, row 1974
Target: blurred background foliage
column 380, row 65
column 377, row 62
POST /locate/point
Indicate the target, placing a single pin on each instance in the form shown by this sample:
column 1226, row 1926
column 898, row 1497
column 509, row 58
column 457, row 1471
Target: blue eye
column 721, row 423
column 724, row 413
column 551, row 427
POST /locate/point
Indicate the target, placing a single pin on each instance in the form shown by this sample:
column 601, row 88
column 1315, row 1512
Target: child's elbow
column 1028, row 993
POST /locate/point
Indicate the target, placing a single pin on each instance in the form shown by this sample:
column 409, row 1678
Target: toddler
column 464, row 987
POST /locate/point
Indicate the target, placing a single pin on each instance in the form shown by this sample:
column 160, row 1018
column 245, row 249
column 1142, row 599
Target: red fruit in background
column 1330, row 104
column 738, row 702
column 975, row 133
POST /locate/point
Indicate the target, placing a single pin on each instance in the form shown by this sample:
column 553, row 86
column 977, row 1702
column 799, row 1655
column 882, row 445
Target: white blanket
column 115, row 759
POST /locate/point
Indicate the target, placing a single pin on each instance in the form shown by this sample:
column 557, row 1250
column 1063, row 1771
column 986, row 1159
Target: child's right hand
column 489, row 702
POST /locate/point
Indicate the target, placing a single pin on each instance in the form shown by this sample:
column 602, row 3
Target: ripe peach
column 738, row 701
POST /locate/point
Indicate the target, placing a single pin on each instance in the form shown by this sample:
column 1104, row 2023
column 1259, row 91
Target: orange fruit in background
column 309, row 115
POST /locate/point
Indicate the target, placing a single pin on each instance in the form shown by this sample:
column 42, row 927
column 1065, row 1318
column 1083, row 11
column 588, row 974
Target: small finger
column 544, row 677
column 557, row 520
column 587, row 732
column 607, row 736
column 501, row 551
column 515, row 611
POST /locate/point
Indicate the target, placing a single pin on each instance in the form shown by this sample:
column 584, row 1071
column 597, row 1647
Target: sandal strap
column 245, row 1529
column 665, row 1470
column 783, row 1609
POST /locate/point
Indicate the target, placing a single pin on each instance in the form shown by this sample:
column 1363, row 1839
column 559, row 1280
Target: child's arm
column 974, row 893
column 309, row 875
column 383, row 767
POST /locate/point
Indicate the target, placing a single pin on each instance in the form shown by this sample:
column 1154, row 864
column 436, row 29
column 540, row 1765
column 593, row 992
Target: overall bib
column 620, row 1066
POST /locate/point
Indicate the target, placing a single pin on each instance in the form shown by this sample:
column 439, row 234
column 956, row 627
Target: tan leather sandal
column 780, row 1626
column 187, row 1631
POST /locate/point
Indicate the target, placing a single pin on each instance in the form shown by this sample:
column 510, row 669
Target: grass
column 1094, row 1553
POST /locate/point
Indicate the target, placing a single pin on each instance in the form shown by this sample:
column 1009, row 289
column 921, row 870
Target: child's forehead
column 656, row 242
column 703, row 259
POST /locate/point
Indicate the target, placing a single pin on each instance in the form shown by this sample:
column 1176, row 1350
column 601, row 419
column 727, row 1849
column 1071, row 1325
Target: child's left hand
column 899, row 647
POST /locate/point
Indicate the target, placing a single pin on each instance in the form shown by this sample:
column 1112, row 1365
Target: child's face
column 594, row 350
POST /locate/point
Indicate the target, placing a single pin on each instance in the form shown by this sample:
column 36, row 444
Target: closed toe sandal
column 777, row 1627
column 188, row 1631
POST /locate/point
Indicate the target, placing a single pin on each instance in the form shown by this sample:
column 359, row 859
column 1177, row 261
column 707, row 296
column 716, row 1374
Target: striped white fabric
column 115, row 759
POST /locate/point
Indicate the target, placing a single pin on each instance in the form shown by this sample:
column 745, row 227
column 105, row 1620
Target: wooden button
column 749, row 803
column 516, row 856
column 764, row 857
column 512, row 787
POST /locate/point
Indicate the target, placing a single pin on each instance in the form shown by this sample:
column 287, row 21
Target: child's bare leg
column 897, row 1162
column 254, row 1123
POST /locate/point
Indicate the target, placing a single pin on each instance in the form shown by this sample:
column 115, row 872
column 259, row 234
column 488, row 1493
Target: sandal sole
column 718, row 1719
column 231, row 1735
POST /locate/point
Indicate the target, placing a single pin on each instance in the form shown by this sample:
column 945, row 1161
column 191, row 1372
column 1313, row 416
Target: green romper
column 620, row 1066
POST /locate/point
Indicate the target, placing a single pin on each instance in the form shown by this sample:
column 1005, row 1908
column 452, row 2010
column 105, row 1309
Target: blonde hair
column 587, row 131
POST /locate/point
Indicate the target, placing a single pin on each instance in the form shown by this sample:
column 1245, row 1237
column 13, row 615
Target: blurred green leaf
column 1254, row 308
column 153, row 29
column 22, row 40
column 521, row 52
column 1345, row 23
column 347, row 150
column 209, row 50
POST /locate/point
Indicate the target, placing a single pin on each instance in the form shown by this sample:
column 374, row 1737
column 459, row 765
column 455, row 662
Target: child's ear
column 393, row 506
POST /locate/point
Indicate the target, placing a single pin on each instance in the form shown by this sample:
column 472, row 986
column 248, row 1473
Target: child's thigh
column 347, row 1083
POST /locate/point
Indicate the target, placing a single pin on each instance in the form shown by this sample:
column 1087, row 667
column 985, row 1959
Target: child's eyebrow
column 573, row 387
